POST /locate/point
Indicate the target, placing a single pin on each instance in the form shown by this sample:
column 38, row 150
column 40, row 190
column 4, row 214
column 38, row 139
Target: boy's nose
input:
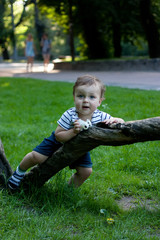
column 86, row 99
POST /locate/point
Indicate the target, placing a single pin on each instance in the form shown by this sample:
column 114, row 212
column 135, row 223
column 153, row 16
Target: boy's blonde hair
column 89, row 80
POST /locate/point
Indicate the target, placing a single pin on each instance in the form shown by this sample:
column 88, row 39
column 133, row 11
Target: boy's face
column 87, row 99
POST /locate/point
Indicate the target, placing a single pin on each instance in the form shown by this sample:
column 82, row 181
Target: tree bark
column 115, row 135
column 5, row 168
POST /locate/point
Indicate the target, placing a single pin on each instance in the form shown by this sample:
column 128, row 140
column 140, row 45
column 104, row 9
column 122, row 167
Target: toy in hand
column 85, row 124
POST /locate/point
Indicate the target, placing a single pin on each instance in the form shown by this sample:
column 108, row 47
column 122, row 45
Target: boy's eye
column 92, row 97
column 80, row 96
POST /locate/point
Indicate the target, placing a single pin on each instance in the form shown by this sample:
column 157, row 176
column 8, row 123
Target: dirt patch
column 129, row 202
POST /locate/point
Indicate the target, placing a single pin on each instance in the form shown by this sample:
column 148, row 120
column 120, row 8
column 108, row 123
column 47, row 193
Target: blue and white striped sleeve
column 66, row 120
column 105, row 116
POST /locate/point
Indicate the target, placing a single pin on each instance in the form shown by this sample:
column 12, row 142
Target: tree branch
column 115, row 135
column 25, row 4
column 122, row 134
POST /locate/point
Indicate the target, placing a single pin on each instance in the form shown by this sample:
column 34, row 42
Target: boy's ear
column 100, row 101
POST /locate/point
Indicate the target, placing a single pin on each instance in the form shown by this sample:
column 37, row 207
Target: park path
column 149, row 80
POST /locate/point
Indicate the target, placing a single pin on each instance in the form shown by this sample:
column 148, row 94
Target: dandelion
column 110, row 220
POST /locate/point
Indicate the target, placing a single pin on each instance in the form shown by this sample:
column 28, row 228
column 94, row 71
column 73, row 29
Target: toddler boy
column 88, row 93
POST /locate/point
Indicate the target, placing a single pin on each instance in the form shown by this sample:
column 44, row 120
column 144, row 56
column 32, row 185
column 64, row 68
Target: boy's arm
column 63, row 135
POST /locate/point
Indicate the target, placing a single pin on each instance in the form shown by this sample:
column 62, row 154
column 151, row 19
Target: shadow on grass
column 57, row 198
column 60, row 195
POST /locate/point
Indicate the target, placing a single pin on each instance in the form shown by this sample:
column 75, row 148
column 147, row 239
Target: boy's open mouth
column 85, row 107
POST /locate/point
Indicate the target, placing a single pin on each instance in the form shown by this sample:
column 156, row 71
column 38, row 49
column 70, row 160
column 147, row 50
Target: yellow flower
column 110, row 220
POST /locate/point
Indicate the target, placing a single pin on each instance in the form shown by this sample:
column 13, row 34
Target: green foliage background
column 93, row 26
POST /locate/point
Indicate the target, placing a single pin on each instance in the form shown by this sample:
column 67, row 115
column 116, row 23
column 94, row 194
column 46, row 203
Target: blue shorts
column 49, row 145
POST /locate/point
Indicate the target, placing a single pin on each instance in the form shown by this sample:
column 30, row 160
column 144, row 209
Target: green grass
column 29, row 110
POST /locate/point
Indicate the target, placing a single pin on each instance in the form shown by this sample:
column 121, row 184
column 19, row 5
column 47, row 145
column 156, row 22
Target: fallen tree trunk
column 115, row 135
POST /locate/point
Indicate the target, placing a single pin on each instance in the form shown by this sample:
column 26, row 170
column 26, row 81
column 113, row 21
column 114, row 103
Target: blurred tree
column 91, row 21
column 131, row 20
column 117, row 21
column 38, row 23
column 121, row 25
column 8, row 30
column 3, row 35
column 71, row 34
column 150, row 27
column 39, row 26
column 101, row 24
column 83, row 17
column 13, row 39
column 103, row 27
column 66, row 9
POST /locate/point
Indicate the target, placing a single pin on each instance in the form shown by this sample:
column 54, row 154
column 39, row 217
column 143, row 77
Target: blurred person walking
column 29, row 52
column 46, row 48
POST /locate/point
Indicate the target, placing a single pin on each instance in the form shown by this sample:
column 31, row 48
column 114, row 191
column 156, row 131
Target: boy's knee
column 84, row 172
column 37, row 157
column 89, row 171
column 33, row 156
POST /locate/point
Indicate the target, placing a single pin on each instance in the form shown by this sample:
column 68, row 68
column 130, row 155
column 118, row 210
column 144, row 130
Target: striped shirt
column 67, row 119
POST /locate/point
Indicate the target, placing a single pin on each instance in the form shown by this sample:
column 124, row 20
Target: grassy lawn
column 124, row 185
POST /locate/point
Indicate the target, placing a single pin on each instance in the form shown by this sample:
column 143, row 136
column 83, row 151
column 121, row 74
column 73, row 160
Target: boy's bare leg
column 80, row 176
column 31, row 159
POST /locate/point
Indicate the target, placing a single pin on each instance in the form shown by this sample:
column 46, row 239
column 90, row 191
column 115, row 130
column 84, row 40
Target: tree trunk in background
column 71, row 33
column 13, row 37
column 150, row 28
column 120, row 134
column 40, row 27
column 117, row 39
column 93, row 34
column 5, row 53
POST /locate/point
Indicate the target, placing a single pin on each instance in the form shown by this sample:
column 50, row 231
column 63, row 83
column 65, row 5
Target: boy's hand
column 113, row 121
column 77, row 127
